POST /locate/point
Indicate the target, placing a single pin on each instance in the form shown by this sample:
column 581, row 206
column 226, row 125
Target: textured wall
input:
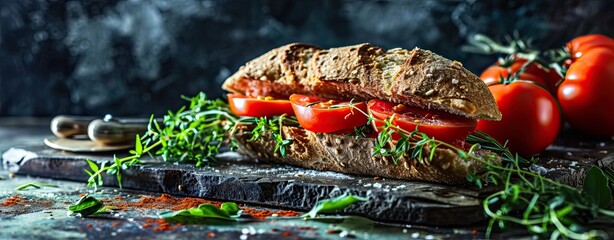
column 138, row 57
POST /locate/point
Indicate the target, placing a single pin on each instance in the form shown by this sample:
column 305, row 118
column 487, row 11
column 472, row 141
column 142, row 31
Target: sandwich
column 345, row 98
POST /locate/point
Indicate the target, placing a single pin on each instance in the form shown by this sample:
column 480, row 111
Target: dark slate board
column 241, row 180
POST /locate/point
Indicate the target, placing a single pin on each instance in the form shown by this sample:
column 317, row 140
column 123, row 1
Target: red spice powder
column 262, row 214
column 164, row 201
column 13, row 200
column 163, row 226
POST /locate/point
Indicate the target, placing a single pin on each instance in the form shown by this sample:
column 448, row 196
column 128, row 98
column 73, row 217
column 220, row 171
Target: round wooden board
column 82, row 145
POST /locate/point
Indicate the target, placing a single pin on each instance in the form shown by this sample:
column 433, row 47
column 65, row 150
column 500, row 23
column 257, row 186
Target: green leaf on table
column 35, row 185
column 231, row 209
column 138, row 146
column 228, row 211
column 597, row 188
column 86, row 206
column 334, row 204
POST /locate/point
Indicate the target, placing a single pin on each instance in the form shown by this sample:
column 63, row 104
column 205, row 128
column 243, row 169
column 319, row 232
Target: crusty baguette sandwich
column 414, row 78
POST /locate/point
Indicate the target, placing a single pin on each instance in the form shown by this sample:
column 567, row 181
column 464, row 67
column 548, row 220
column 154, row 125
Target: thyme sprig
column 543, row 206
column 195, row 133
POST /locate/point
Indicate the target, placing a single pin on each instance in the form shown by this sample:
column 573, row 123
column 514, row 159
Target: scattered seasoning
column 164, row 201
column 163, row 226
column 13, row 200
column 146, row 225
column 210, row 235
column 115, row 224
column 286, row 234
column 305, row 228
column 262, row 214
column 89, row 225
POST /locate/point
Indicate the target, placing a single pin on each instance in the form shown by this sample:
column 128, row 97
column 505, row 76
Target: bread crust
column 353, row 155
column 363, row 72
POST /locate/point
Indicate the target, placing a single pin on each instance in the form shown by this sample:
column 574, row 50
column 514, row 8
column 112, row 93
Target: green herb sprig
column 193, row 134
column 543, row 206
column 35, row 185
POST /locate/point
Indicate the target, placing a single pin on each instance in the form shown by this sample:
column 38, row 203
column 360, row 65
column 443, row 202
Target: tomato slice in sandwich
column 439, row 125
column 258, row 107
column 324, row 115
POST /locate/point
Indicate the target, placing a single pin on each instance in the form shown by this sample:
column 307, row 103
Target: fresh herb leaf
column 597, row 188
column 86, row 206
column 334, row 204
column 35, row 185
column 138, row 146
column 228, row 211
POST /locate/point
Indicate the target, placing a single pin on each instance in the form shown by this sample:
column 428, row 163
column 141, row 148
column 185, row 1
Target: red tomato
column 324, row 115
column 578, row 46
column 439, row 125
column 587, row 94
column 531, row 117
column 504, row 68
column 258, row 107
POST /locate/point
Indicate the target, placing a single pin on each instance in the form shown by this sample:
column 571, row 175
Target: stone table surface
column 403, row 209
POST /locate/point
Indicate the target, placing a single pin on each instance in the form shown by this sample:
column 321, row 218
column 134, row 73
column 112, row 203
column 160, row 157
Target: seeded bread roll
column 348, row 154
column 363, row 72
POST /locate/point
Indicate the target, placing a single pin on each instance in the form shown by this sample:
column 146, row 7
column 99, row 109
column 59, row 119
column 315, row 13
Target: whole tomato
column 587, row 93
column 531, row 117
column 505, row 67
column 578, row 46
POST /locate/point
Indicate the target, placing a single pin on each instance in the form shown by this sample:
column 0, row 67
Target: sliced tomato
column 258, row 107
column 325, row 115
column 439, row 125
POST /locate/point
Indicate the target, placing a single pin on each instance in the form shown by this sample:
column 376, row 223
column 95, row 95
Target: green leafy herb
column 86, row 206
column 334, row 204
column 596, row 187
column 545, row 207
column 35, row 185
column 228, row 211
column 193, row 134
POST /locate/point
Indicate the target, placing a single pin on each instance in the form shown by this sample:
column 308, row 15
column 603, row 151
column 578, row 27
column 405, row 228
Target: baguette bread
column 362, row 72
column 349, row 154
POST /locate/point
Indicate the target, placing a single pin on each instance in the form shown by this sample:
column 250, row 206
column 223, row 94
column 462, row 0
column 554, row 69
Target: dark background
column 134, row 58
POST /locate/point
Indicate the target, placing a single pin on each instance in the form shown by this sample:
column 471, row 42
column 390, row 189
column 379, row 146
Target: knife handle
column 116, row 132
column 65, row 126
